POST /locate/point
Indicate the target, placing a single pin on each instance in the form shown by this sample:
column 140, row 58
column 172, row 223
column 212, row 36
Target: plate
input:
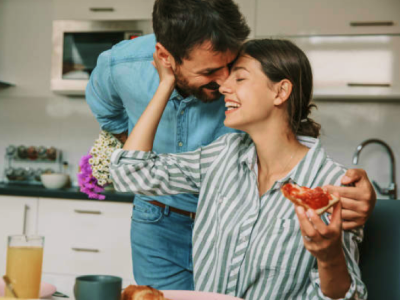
column 192, row 295
column 46, row 289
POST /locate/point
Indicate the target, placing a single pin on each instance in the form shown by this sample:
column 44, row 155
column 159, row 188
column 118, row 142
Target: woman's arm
column 338, row 275
column 135, row 169
column 142, row 135
column 325, row 243
column 150, row 174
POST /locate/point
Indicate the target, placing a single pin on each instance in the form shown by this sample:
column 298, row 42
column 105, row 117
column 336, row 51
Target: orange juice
column 24, row 268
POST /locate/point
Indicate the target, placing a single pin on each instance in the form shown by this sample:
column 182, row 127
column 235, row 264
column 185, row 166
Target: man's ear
column 165, row 56
column 283, row 91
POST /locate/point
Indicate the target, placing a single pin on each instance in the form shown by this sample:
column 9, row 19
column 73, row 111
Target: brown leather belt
column 175, row 210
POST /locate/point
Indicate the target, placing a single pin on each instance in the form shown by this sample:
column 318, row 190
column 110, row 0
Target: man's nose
column 222, row 75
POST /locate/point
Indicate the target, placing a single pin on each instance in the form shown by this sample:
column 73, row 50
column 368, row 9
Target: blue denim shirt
column 123, row 83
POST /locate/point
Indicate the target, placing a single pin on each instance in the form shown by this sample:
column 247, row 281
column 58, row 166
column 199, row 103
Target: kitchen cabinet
column 354, row 67
column 248, row 9
column 103, row 9
column 86, row 237
column 18, row 215
column 326, row 17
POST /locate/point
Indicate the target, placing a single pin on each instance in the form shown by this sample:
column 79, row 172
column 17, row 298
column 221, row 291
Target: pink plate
column 191, row 295
column 46, row 289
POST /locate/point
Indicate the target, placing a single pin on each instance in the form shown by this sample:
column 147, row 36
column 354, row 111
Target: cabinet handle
column 26, row 208
column 101, row 9
column 384, row 23
column 89, row 212
column 85, row 250
column 354, row 84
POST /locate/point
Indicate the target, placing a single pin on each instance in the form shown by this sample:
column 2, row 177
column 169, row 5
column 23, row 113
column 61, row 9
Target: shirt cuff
column 351, row 293
column 119, row 154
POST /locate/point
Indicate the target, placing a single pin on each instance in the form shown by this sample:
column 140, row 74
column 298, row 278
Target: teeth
column 232, row 105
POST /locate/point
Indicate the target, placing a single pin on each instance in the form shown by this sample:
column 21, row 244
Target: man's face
column 203, row 72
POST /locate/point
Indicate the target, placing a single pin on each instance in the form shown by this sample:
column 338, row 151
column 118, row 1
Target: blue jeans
column 161, row 247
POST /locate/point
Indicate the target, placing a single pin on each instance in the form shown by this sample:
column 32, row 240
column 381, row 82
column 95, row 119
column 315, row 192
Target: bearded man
column 199, row 40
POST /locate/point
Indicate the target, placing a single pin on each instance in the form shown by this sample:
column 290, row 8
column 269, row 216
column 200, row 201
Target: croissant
column 141, row 292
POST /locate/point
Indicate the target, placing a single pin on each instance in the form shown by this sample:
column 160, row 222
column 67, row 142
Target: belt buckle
column 192, row 215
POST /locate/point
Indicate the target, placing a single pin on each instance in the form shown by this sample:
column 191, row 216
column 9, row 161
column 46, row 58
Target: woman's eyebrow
column 236, row 68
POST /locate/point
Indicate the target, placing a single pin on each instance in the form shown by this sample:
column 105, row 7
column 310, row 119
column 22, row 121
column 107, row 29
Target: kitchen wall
column 31, row 114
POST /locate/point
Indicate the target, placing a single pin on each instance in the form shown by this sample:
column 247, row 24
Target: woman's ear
column 164, row 56
column 284, row 89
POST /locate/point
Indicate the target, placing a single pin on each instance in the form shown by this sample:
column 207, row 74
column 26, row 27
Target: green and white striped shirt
column 244, row 245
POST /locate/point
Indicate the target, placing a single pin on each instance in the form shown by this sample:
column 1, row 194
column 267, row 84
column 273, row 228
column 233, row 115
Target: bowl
column 54, row 180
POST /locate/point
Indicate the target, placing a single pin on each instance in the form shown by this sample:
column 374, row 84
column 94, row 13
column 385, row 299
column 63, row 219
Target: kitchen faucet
column 391, row 191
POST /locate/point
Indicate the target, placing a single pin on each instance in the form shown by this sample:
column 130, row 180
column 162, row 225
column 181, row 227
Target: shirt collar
column 303, row 173
column 249, row 155
column 307, row 169
column 176, row 96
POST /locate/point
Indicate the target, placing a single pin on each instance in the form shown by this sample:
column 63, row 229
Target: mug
column 99, row 287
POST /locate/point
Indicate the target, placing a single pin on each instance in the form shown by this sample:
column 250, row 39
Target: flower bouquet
column 94, row 170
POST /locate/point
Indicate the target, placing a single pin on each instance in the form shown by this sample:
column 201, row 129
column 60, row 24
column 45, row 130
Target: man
column 198, row 39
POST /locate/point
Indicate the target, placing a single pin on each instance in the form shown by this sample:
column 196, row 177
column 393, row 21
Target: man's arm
column 103, row 99
column 358, row 200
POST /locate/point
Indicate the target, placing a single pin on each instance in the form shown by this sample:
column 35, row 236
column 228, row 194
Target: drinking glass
column 24, row 264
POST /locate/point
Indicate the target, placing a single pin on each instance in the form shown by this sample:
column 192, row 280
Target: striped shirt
column 244, row 245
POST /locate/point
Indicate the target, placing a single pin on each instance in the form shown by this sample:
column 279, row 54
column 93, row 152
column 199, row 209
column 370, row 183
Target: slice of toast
column 317, row 198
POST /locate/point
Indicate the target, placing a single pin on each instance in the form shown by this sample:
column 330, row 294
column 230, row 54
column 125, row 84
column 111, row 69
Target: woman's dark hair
column 179, row 25
column 281, row 59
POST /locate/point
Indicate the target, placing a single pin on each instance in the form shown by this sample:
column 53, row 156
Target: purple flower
column 87, row 182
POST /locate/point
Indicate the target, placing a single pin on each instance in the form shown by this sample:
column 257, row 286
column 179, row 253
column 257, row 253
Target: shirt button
column 182, row 112
column 180, row 144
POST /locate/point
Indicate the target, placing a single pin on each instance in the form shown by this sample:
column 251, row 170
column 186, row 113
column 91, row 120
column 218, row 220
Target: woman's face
column 249, row 95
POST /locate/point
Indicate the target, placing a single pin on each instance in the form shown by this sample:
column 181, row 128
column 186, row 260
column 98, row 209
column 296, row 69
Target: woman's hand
column 166, row 74
column 323, row 241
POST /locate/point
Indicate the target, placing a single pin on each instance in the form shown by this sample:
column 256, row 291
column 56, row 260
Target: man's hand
column 121, row 136
column 358, row 201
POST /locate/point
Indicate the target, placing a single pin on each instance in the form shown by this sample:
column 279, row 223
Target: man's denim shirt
column 123, row 83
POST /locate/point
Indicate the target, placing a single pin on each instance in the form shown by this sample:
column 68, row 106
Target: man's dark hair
column 180, row 25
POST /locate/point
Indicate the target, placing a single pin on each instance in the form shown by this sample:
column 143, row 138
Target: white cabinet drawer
column 103, row 9
column 356, row 67
column 84, row 237
column 322, row 17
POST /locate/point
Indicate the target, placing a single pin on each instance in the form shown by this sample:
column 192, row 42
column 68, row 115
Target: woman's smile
column 231, row 106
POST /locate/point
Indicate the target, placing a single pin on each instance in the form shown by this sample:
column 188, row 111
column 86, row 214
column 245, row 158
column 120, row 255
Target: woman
column 248, row 239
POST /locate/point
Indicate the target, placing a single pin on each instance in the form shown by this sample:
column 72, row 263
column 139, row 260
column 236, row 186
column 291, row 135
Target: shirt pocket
column 284, row 247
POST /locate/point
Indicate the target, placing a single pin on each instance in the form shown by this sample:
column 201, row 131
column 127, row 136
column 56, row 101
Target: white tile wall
column 31, row 114
column 347, row 124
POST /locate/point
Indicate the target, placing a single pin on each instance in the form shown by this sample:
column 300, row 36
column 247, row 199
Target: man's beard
column 185, row 89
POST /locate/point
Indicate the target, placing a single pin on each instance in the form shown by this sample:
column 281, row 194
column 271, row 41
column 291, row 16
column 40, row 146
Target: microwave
column 76, row 47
